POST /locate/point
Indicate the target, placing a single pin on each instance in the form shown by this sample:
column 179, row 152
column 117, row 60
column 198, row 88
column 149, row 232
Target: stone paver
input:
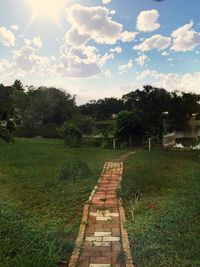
column 103, row 239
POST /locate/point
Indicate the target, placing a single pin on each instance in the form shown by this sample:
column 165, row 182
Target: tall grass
column 163, row 225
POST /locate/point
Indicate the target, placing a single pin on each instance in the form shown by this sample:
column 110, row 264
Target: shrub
column 74, row 168
column 71, row 134
column 6, row 131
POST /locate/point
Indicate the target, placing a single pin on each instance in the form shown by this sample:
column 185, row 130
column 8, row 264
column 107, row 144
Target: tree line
column 52, row 112
column 30, row 112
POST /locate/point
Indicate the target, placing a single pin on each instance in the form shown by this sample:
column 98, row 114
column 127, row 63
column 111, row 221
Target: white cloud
column 128, row 36
column 4, row 65
column 158, row 42
column 79, row 62
column 15, row 27
column 74, row 37
column 117, row 50
column 105, row 2
column 185, row 38
column 126, row 67
column 112, row 12
column 146, row 73
column 96, row 23
column 7, row 38
column 108, row 73
column 141, row 60
column 165, row 54
column 37, row 41
column 27, row 60
column 106, row 57
column 27, row 42
column 79, row 70
column 53, row 58
column 188, row 82
column 147, row 21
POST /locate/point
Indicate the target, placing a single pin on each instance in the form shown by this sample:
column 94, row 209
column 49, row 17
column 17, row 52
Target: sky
column 101, row 48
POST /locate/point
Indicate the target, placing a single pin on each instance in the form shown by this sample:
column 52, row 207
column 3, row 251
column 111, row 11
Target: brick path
column 102, row 237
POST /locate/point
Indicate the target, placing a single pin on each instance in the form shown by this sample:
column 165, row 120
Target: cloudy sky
column 101, row 48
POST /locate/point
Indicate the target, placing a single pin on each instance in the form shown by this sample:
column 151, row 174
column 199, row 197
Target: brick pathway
column 102, row 240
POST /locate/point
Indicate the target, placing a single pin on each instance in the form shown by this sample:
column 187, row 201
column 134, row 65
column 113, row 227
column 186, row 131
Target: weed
column 122, row 257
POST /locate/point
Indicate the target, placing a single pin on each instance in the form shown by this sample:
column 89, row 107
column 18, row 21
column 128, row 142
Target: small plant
column 74, row 168
column 134, row 205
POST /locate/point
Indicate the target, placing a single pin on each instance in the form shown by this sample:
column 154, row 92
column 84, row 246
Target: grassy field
column 39, row 214
column 161, row 191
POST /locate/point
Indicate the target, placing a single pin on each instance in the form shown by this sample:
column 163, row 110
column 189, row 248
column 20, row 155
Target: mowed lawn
column 40, row 214
column 161, row 192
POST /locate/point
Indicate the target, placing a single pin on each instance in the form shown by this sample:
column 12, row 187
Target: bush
column 5, row 133
column 74, row 168
column 71, row 134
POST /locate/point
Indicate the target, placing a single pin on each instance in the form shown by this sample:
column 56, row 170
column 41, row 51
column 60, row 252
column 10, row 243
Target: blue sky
column 101, row 48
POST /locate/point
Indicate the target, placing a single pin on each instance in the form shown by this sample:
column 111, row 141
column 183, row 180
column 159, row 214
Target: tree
column 7, row 113
column 86, row 124
column 44, row 109
column 18, row 85
column 71, row 134
column 149, row 104
column 128, row 127
column 102, row 109
column 51, row 105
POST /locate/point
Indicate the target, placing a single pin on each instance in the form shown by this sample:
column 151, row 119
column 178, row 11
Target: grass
column 40, row 214
column 161, row 196
column 105, row 122
column 195, row 124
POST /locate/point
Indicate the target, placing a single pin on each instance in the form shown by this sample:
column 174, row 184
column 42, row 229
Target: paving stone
column 103, row 218
column 94, row 238
column 99, row 265
column 111, row 238
column 116, row 246
column 101, row 260
column 102, row 244
column 101, row 234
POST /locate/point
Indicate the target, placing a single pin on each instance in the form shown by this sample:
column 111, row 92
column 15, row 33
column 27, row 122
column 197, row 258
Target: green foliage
column 102, row 109
column 71, row 134
column 6, row 129
column 128, row 126
column 18, row 85
column 161, row 195
column 7, row 113
column 74, row 168
column 43, row 110
column 86, row 124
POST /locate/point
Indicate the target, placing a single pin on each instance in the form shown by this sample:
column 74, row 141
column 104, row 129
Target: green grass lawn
column 161, row 192
column 39, row 214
